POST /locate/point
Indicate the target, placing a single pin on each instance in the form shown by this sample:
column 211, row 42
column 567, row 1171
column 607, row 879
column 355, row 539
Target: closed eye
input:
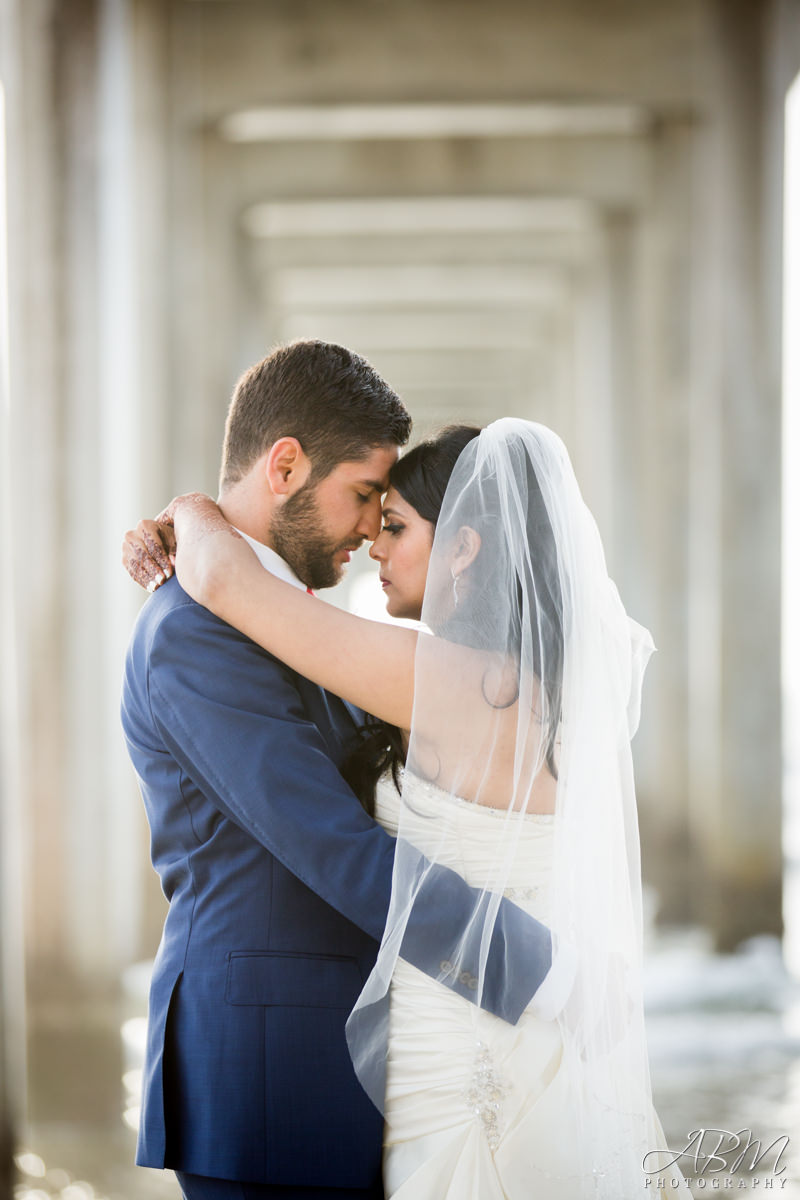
column 393, row 529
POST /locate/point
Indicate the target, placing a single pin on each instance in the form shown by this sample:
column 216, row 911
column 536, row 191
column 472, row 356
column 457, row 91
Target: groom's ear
column 287, row 467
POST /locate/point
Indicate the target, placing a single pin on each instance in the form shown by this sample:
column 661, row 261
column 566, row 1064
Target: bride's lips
column 385, row 582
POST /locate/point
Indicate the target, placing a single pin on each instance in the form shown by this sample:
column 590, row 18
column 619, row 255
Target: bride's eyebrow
column 391, row 512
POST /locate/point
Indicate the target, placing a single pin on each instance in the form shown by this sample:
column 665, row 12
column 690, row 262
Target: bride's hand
column 212, row 558
column 148, row 551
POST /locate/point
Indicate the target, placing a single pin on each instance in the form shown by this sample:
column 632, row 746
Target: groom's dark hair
column 329, row 398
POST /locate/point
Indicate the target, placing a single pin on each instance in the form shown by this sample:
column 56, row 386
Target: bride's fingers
column 159, row 542
column 139, row 563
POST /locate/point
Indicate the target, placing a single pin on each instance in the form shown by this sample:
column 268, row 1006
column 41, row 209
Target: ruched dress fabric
column 477, row 1109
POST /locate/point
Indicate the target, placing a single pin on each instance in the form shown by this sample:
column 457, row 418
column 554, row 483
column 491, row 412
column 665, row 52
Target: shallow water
column 724, row 1037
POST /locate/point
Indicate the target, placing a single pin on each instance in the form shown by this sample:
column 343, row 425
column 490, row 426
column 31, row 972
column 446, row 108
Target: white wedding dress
column 478, row 1109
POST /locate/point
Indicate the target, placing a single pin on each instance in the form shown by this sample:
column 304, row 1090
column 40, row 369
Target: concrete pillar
column 30, row 628
column 780, row 240
column 651, row 438
column 12, row 962
column 103, row 417
column 734, row 654
column 82, row 442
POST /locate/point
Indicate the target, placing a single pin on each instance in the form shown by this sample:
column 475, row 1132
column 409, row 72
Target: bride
column 499, row 746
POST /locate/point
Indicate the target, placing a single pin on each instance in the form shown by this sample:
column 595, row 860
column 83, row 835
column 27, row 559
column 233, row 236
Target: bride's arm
column 368, row 663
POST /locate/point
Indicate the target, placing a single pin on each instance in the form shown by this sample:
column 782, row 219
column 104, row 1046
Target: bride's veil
column 527, row 692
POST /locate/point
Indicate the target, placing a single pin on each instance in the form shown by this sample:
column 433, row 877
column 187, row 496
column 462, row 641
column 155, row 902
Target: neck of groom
column 251, row 502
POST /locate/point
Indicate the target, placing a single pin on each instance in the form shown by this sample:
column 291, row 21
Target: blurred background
column 584, row 212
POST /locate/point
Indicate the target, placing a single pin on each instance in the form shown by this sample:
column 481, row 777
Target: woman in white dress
column 513, row 708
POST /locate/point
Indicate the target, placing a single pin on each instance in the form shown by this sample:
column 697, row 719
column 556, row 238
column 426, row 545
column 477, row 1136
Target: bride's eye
column 393, row 529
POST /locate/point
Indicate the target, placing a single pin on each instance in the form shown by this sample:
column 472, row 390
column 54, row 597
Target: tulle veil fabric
column 528, row 664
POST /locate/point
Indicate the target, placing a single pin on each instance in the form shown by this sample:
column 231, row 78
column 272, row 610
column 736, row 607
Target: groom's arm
column 233, row 719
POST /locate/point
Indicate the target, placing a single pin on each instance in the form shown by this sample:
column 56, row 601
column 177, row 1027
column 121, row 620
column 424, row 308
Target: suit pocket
column 296, row 980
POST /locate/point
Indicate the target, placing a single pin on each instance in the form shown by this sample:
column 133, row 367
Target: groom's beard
column 298, row 535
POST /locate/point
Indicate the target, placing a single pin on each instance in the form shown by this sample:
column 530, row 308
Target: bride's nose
column 377, row 549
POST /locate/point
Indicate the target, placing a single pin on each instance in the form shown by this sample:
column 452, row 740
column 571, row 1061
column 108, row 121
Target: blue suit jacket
column 278, row 885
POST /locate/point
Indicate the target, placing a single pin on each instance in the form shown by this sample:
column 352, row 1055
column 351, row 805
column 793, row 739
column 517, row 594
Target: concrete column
column 82, row 435
column 34, row 432
column 652, row 440
column 734, row 653
column 780, row 230
column 31, row 740
column 109, row 72
column 12, row 961
column 130, row 420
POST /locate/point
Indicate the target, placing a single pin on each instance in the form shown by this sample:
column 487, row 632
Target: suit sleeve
column 234, row 721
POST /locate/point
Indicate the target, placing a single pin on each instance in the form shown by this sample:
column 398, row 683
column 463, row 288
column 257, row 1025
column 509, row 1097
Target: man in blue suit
column 277, row 879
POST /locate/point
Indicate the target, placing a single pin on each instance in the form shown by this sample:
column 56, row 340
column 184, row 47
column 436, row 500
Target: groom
column 278, row 881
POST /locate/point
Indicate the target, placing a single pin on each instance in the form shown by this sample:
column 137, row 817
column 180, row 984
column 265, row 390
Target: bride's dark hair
column 421, row 477
column 476, row 622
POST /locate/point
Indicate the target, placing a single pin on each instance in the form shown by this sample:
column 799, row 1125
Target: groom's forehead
column 371, row 471
column 367, row 480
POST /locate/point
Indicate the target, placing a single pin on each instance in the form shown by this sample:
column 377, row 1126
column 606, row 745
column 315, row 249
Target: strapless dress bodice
column 502, row 851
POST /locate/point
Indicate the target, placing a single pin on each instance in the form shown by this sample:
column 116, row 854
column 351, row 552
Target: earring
column 455, row 579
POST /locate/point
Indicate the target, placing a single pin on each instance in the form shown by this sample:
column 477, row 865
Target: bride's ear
column 466, row 548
